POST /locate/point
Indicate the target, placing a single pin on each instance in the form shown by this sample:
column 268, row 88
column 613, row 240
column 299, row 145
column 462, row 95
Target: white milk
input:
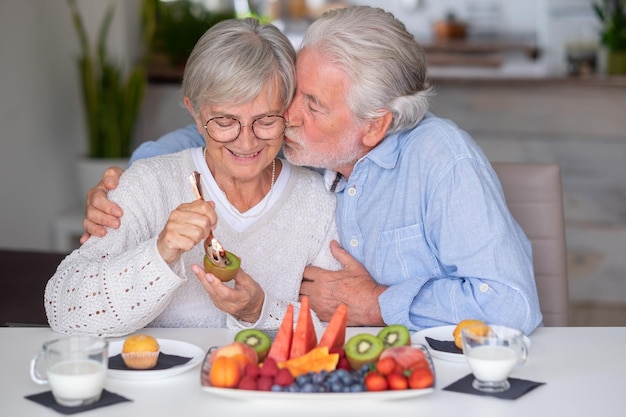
column 77, row 379
column 492, row 363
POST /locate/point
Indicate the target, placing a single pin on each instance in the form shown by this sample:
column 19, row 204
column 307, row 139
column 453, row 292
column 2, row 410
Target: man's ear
column 376, row 129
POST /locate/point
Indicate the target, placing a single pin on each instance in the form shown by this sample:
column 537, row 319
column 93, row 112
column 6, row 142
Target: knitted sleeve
column 114, row 285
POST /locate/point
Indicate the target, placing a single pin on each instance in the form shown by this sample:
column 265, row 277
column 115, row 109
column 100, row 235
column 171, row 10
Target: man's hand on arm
column 100, row 212
column 351, row 285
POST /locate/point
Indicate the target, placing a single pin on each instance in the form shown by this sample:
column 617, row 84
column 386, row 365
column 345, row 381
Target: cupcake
column 456, row 333
column 140, row 351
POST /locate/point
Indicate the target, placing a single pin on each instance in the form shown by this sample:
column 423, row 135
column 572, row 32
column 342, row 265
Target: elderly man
column 426, row 238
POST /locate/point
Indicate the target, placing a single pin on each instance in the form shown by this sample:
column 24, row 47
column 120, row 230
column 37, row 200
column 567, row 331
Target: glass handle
column 33, row 370
column 523, row 354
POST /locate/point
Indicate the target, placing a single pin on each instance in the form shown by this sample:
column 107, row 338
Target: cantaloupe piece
column 315, row 360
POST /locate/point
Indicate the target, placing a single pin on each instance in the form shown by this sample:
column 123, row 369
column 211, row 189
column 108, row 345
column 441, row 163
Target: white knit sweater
column 117, row 284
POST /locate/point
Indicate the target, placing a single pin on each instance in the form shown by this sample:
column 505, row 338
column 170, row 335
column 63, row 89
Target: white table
column 584, row 370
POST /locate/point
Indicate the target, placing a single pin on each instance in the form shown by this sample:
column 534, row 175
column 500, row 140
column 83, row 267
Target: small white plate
column 241, row 394
column 443, row 333
column 171, row 347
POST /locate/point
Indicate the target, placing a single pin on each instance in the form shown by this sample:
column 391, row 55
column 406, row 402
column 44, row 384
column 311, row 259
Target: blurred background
column 527, row 78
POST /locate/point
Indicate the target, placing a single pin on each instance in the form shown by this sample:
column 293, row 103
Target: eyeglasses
column 225, row 129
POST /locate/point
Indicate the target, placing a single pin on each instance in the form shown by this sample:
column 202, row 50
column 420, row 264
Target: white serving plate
column 240, row 394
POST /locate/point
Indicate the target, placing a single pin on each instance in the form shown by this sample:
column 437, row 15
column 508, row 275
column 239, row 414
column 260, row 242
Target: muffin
column 140, row 351
column 456, row 333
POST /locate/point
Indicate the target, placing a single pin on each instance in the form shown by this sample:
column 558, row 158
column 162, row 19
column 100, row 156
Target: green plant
column 112, row 99
column 612, row 15
column 180, row 24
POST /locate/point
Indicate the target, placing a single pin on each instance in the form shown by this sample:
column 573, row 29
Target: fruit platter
column 294, row 364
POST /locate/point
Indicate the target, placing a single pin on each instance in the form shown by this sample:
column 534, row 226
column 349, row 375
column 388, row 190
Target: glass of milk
column 492, row 353
column 74, row 367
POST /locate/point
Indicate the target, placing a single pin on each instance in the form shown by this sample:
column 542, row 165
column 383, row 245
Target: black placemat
column 518, row 388
column 47, row 400
column 165, row 361
column 443, row 345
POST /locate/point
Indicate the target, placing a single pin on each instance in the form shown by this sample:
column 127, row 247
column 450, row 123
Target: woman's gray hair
column 386, row 64
column 234, row 60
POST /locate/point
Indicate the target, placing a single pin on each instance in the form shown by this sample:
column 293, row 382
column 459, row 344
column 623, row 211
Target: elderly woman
column 276, row 217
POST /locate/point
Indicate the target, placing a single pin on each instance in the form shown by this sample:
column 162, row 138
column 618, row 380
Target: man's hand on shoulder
column 100, row 212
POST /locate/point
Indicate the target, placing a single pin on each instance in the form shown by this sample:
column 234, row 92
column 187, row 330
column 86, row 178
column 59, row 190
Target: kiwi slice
column 223, row 273
column 363, row 348
column 257, row 340
column 395, row 335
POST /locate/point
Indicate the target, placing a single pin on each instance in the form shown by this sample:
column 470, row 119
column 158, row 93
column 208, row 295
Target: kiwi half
column 257, row 340
column 227, row 273
column 363, row 348
column 395, row 335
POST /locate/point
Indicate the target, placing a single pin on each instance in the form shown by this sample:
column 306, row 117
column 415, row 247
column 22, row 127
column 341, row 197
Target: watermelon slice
column 304, row 337
column 335, row 334
column 281, row 346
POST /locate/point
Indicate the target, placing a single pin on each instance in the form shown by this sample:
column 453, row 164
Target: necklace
column 267, row 197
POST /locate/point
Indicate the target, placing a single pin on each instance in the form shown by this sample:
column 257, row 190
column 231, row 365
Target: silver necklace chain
column 267, row 197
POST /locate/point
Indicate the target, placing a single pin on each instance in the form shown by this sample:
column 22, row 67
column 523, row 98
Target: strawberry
column 375, row 381
column 421, row 378
column 386, row 366
column 423, row 363
column 397, row 381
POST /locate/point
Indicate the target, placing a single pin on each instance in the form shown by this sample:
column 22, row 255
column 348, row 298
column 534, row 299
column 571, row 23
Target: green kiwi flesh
column 257, row 340
column 363, row 349
column 395, row 335
column 223, row 274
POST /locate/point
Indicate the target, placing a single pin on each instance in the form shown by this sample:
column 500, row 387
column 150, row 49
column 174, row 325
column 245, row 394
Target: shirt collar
column 385, row 155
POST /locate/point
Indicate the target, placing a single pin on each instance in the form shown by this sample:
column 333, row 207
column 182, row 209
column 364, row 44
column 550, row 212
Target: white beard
column 345, row 151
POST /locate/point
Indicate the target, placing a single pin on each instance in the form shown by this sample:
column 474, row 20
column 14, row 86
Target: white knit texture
column 117, row 284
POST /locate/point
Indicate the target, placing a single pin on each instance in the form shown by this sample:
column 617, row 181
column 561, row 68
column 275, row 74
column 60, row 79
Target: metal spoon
column 213, row 248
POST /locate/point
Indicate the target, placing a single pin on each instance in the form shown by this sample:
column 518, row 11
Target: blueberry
column 357, row 388
column 303, row 379
column 308, row 387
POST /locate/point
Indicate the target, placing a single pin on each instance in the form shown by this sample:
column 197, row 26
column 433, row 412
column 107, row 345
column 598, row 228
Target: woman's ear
column 188, row 105
column 377, row 129
column 190, row 109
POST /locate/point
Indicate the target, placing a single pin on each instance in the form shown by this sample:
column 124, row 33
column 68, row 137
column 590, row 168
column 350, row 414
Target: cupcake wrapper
column 140, row 360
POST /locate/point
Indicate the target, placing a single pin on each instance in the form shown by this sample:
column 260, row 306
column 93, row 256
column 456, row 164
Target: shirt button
column 354, row 242
column 351, row 191
column 484, row 287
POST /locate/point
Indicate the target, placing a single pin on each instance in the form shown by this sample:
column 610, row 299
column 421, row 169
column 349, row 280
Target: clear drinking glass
column 74, row 367
column 492, row 352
